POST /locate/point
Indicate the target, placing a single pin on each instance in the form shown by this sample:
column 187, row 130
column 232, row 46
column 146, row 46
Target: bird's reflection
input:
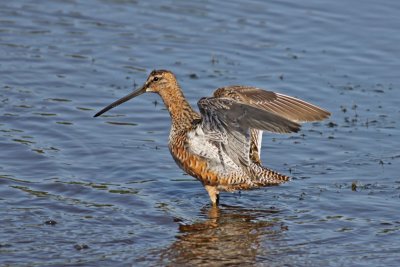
column 229, row 235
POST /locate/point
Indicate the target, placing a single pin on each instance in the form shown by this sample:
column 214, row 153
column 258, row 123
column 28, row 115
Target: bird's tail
column 266, row 177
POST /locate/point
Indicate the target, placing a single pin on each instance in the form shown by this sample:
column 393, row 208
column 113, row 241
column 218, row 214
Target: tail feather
column 265, row 177
column 258, row 176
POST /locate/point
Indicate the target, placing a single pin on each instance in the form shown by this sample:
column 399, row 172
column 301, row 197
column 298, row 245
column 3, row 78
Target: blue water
column 83, row 191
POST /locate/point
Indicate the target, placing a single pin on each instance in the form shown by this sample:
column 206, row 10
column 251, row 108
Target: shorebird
column 221, row 145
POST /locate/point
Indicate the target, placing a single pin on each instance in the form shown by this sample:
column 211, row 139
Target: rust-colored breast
column 194, row 165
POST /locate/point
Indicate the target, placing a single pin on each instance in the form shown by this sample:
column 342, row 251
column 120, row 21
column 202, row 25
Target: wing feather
column 285, row 106
column 230, row 121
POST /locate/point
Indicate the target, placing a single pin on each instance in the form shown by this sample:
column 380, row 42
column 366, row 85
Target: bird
column 220, row 146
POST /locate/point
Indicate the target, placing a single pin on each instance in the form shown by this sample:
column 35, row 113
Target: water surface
column 77, row 190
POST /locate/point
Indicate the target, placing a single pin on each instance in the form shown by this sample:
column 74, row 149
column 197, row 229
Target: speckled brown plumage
column 221, row 146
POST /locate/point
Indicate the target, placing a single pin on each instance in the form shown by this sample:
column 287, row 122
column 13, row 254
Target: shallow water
column 77, row 190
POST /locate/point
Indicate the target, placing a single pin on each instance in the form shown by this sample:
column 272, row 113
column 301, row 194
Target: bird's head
column 159, row 81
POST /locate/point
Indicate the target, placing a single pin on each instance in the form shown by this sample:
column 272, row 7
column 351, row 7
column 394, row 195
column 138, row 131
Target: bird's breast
column 201, row 157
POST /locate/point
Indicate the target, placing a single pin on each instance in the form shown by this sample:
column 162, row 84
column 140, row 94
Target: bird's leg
column 213, row 193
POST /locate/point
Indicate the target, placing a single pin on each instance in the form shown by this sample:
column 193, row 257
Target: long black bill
column 122, row 100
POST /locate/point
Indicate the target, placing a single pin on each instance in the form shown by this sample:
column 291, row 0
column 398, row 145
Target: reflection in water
column 230, row 235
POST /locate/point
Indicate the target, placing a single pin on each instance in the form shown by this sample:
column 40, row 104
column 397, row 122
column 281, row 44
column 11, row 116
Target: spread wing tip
column 286, row 106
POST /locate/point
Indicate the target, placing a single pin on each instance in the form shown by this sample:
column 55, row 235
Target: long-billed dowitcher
column 221, row 145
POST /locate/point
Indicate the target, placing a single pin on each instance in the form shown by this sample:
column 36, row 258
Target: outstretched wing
column 227, row 122
column 285, row 106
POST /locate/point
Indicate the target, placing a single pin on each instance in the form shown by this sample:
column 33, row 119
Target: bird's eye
column 155, row 79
